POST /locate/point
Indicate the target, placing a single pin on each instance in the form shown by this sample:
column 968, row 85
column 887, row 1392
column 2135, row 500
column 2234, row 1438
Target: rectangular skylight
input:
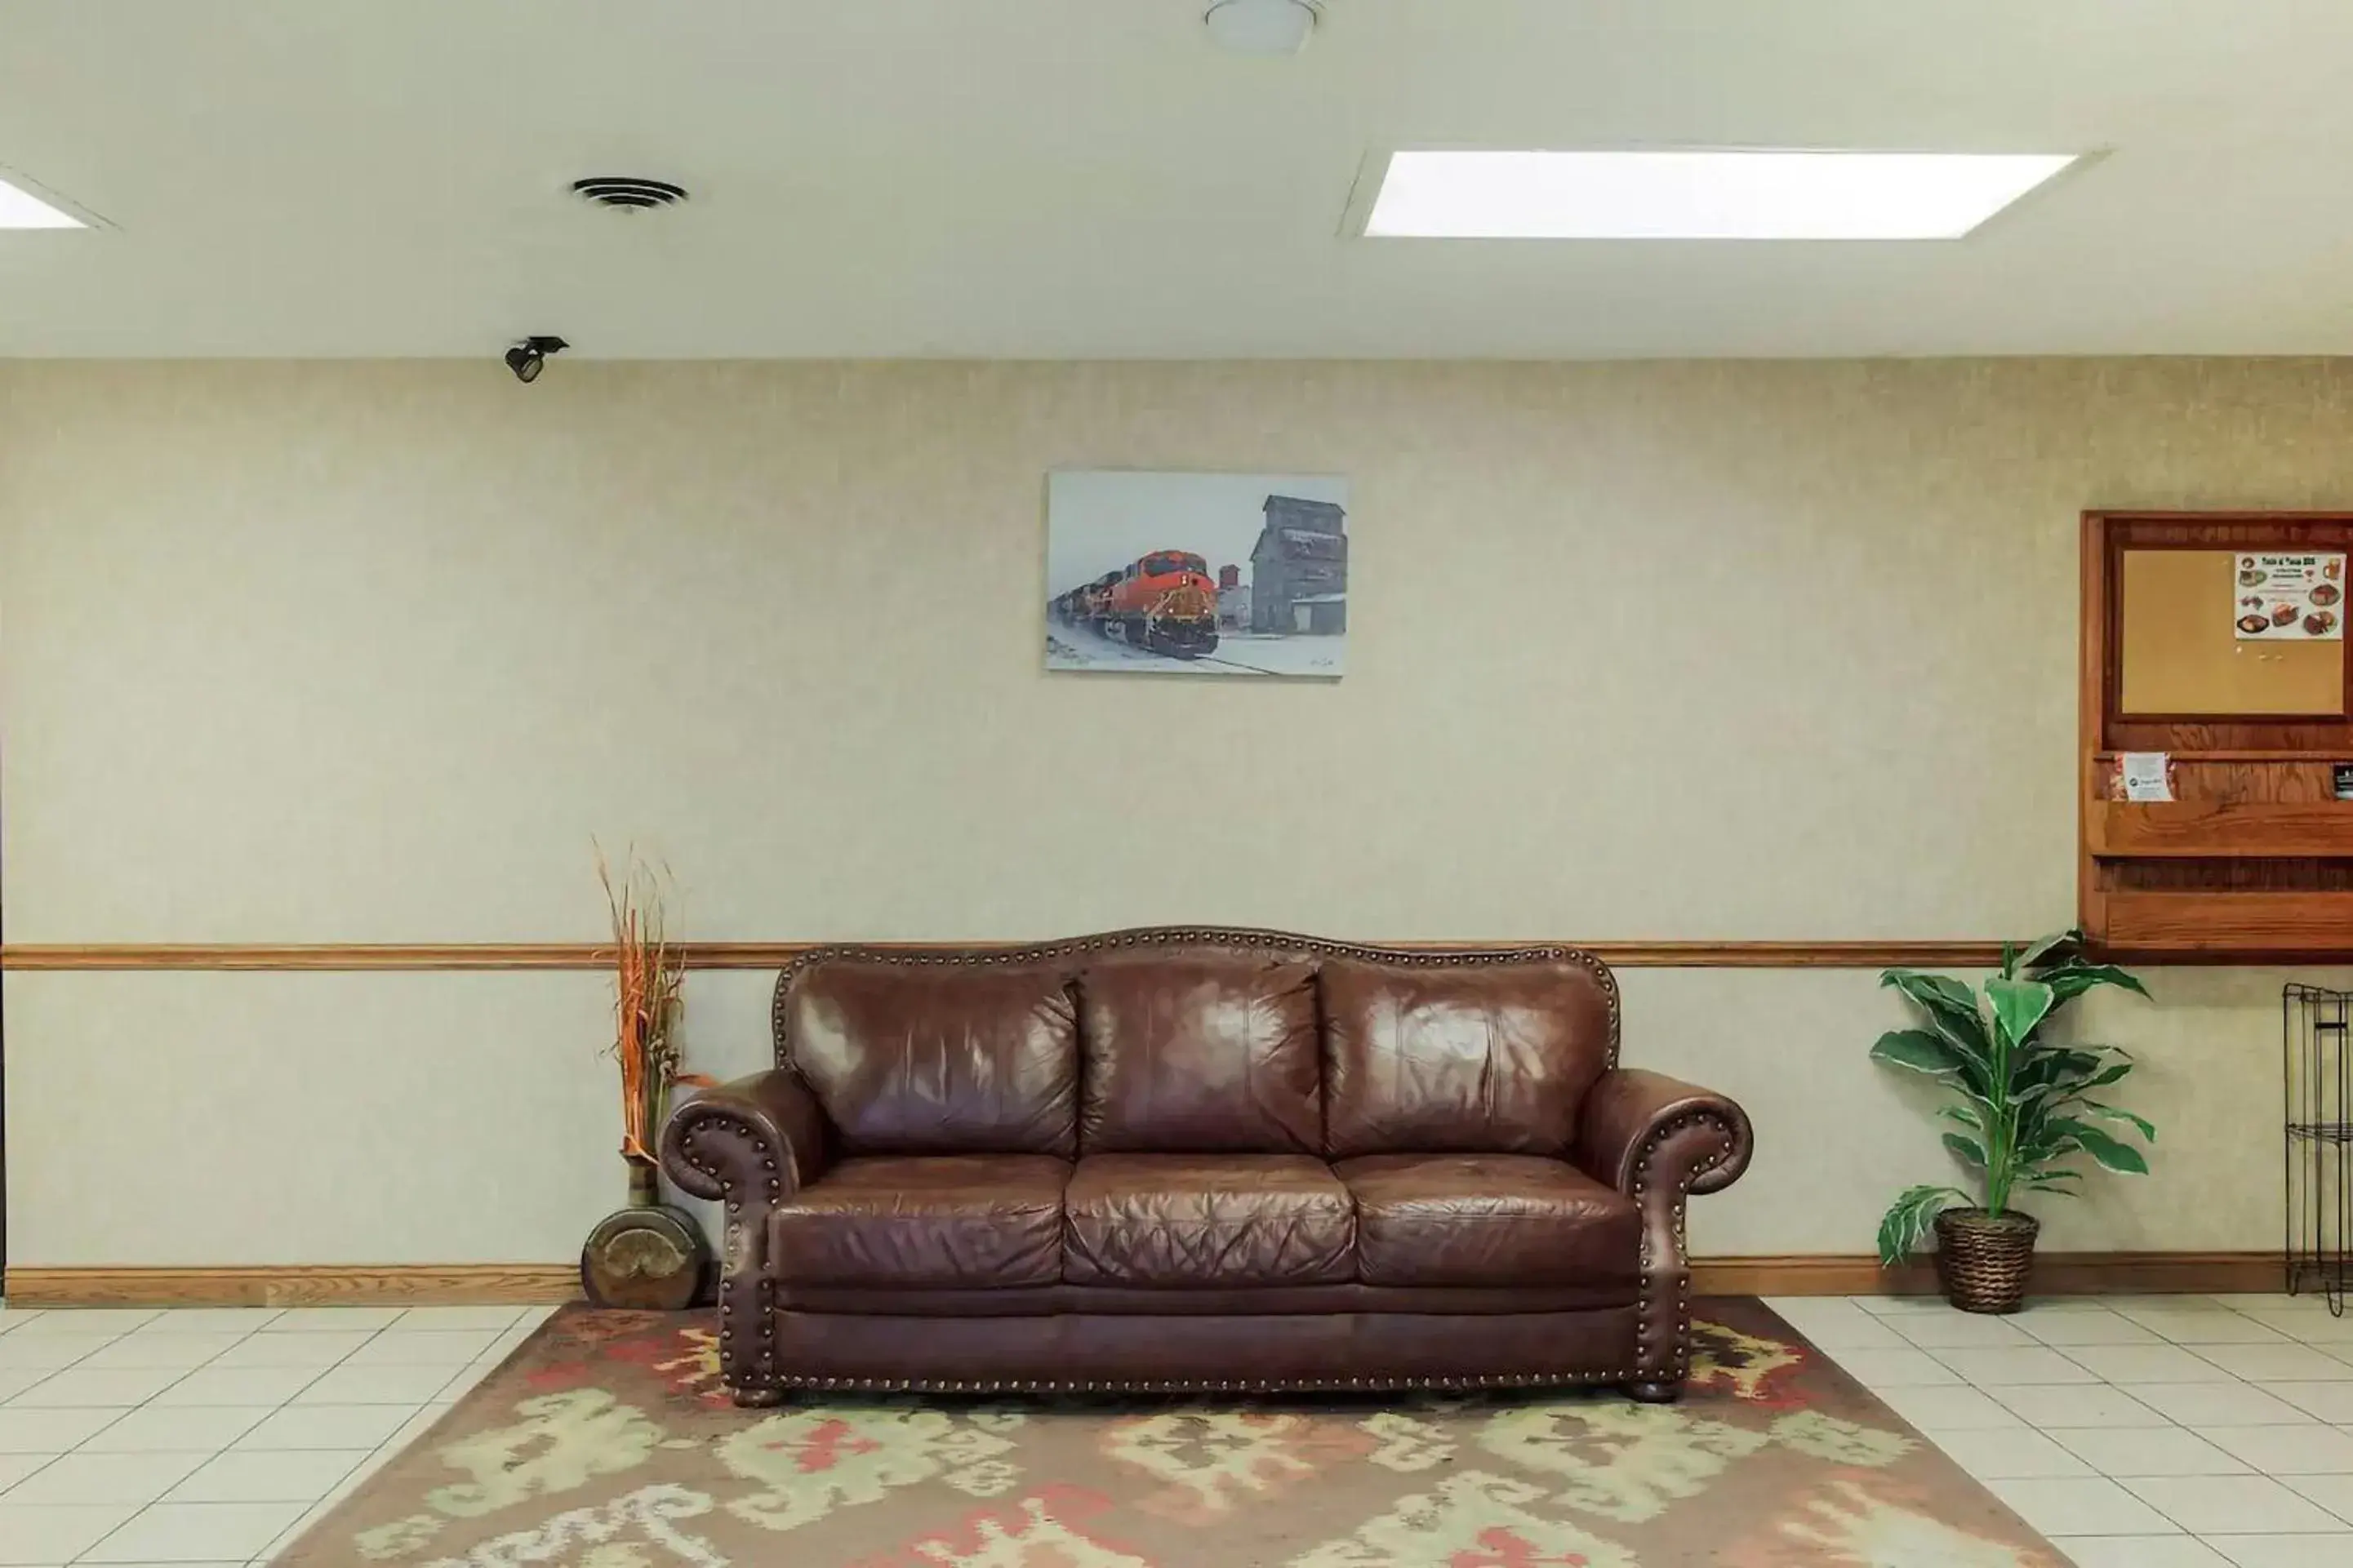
column 1751, row 194
column 20, row 208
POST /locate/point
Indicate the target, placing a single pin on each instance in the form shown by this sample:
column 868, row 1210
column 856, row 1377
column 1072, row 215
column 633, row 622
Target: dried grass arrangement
column 647, row 1000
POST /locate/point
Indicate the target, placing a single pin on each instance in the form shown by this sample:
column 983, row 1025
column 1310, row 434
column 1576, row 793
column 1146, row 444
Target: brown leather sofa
column 1194, row 1159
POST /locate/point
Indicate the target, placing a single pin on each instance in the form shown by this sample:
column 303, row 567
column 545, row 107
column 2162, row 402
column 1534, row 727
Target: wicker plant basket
column 1985, row 1260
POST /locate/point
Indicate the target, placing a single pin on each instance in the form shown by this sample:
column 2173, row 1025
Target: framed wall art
column 1167, row 573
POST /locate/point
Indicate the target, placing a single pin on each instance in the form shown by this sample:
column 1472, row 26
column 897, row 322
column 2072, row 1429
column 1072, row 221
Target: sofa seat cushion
column 1517, row 1220
column 969, row 1221
column 1200, row 1221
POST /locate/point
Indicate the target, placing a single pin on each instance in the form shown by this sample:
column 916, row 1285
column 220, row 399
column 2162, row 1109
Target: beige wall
column 366, row 652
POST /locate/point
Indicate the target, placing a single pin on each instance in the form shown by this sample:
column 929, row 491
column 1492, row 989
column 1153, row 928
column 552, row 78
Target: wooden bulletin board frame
column 2252, row 861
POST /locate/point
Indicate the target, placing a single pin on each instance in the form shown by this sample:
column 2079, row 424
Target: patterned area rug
column 605, row 1442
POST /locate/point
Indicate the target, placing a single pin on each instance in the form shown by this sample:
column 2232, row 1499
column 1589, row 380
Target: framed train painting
column 1237, row 575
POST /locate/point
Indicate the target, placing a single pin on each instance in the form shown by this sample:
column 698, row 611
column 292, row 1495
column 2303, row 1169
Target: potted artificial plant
column 650, row 1254
column 2024, row 1110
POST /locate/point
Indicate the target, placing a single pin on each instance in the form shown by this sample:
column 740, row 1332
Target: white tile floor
column 216, row 1436
column 2154, row 1432
column 2135, row 1432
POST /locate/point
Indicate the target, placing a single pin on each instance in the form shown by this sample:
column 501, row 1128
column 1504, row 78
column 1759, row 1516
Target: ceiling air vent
column 627, row 194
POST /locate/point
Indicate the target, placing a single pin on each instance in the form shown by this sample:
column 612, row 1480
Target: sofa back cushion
column 1200, row 1053
column 1486, row 1059
column 937, row 1058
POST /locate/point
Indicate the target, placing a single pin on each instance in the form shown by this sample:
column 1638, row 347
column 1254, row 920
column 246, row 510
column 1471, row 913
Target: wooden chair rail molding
column 354, row 1285
column 1957, row 955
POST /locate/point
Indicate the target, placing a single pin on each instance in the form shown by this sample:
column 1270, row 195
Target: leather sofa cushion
column 1211, row 1054
column 1493, row 1059
column 1492, row 1220
column 969, row 1221
column 929, row 1059
column 1207, row 1220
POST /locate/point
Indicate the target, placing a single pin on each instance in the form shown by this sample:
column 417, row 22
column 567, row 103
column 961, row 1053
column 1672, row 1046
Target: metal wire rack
column 2317, row 1072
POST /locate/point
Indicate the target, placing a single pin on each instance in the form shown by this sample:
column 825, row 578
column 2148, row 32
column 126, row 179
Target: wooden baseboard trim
column 417, row 1285
column 297, row 1285
column 2055, row 1273
column 345, row 956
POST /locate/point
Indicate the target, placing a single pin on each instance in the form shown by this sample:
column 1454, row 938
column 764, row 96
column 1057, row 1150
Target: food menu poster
column 2290, row 598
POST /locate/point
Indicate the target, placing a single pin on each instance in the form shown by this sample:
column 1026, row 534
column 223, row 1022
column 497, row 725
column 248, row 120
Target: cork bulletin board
column 2179, row 653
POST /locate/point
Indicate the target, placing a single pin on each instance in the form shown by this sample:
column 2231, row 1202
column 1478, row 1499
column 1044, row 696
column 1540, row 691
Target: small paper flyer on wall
column 2290, row 598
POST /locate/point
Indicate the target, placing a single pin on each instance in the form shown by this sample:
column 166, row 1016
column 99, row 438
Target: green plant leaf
column 2117, row 1113
column 2017, row 1006
column 1921, row 1051
column 1939, row 990
column 1909, row 1217
column 1950, row 1010
column 2111, row 1154
column 2041, row 1065
column 2044, row 947
column 1969, row 1150
column 2045, row 1135
column 1946, row 1001
column 2069, row 980
column 1966, row 1113
column 2054, row 1085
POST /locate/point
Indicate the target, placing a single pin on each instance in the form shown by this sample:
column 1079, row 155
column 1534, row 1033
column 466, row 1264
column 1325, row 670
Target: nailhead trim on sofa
column 779, row 1386
column 1678, row 1362
column 732, row 1280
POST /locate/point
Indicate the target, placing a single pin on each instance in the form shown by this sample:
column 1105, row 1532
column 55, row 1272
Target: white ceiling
column 1055, row 178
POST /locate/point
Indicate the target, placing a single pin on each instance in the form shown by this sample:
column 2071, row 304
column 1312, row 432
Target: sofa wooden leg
column 757, row 1399
column 1655, row 1393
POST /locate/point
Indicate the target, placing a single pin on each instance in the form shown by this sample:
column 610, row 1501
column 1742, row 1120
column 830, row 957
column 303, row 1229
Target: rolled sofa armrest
column 1658, row 1140
column 1646, row 1132
column 750, row 1142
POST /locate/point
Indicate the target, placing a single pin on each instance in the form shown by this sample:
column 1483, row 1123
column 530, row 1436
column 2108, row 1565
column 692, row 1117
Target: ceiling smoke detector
column 628, row 193
column 1263, row 26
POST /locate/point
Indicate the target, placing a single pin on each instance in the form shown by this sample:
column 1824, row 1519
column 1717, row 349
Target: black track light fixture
column 530, row 357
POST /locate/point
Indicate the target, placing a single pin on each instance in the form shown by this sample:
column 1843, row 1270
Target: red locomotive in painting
column 1164, row 602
